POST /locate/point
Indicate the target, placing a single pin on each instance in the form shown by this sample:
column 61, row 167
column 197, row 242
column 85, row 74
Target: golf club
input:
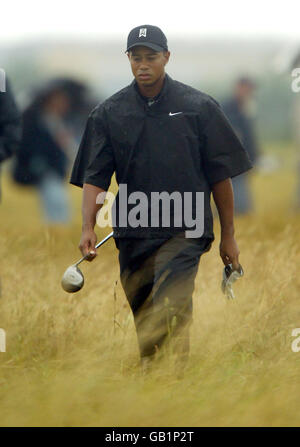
column 73, row 279
column 229, row 277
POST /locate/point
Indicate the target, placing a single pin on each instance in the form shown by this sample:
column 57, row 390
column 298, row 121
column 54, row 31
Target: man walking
column 163, row 139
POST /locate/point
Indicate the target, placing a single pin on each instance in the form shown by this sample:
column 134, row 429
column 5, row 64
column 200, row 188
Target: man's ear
column 128, row 54
column 167, row 56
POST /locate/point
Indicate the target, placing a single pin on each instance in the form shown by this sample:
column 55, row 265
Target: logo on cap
column 143, row 32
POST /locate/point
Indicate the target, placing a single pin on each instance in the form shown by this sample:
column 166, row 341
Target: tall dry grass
column 72, row 360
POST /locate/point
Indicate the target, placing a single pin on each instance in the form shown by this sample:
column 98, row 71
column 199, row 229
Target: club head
column 72, row 279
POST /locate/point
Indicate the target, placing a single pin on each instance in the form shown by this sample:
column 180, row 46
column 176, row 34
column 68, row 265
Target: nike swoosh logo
column 176, row 113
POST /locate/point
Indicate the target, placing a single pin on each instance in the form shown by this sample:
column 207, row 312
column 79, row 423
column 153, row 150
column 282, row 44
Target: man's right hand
column 87, row 244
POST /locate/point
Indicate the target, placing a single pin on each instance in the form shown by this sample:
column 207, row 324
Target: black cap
column 148, row 36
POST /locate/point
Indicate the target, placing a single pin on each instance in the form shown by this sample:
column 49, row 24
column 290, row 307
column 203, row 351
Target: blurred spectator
column 10, row 124
column 239, row 109
column 296, row 126
column 48, row 145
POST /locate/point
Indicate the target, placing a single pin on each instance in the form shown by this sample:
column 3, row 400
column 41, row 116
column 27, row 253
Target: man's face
column 147, row 65
column 244, row 91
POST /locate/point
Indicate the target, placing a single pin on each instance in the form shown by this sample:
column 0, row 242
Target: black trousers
column 158, row 279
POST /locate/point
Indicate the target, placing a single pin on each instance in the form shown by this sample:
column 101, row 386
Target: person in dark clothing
column 238, row 111
column 10, row 124
column 162, row 139
column 46, row 148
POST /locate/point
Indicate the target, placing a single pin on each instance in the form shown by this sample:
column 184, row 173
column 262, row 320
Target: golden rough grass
column 68, row 364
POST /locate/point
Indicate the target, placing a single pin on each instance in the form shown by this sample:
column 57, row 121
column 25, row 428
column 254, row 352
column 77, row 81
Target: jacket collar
column 165, row 88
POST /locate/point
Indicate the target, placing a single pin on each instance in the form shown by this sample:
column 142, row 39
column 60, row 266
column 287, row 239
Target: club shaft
column 96, row 246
